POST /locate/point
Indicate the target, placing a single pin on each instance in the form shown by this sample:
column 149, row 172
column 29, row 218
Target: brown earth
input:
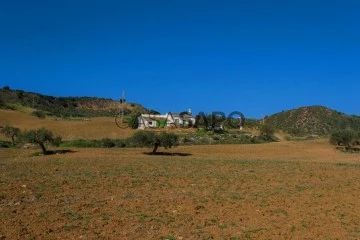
column 93, row 128
column 284, row 190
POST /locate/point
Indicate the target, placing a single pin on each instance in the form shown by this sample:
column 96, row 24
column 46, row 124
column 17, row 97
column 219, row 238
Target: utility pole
column 122, row 102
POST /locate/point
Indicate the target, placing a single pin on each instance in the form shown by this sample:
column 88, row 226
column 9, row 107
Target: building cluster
column 184, row 119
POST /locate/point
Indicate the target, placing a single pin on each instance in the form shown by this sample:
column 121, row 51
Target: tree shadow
column 62, row 151
column 53, row 152
column 168, row 154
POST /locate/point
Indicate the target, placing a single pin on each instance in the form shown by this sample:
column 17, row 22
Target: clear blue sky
column 257, row 57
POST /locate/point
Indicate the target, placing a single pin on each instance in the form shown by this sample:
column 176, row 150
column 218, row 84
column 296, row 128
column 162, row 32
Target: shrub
column 4, row 144
column 2, row 104
column 296, row 132
column 344, row 137
column 216, row 138
column 120, row 143
column 267, row 133
column 107, row 143
column 39, row 114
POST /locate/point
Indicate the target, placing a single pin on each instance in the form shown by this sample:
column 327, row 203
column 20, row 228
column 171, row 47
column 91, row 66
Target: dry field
column 95, row 128
column 285, row 190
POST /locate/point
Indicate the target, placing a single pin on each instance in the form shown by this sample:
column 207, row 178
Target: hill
column 64, row 107
column 313, row 120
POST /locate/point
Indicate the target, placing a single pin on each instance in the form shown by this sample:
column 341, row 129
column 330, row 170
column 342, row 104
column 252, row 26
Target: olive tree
column 166, row 140
column 11, row 132
column 149, row 138
column 40, row 136
column 343, row 137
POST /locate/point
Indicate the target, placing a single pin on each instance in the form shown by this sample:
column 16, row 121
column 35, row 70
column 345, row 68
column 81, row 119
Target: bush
column 39, row 114
column 298, row 132
column 346, row 138
column 267, row 133
column 107, row 143
column 4, row 144
column 120, row 143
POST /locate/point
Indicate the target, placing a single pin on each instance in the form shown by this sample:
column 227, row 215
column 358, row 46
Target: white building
column 166, row 120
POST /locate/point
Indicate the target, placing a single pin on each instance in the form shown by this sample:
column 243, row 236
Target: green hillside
column 313, row 120
column 64, row 106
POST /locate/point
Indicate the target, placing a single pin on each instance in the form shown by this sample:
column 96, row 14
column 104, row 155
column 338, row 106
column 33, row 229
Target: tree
column 142, row 139
column 149, row 138
column 41, row 136
column 11, row 132
column 167, row 140
column 343, row 137
column 6, row 88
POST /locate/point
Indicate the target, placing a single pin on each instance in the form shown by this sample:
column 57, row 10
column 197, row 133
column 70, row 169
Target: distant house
column 166, row 120
column 184, row 119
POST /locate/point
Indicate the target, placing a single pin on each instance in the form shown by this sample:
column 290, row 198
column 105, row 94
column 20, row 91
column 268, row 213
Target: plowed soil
column 285, row 190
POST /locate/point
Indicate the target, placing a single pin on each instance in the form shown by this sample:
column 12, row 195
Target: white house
column 184, row 119
column 166, row 120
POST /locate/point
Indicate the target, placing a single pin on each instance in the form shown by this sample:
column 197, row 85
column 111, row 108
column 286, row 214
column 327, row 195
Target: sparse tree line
column 43, row 137
column 139, row 139
column 347, row 139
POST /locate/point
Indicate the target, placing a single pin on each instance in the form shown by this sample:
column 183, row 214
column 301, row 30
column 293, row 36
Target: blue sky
column 258, row 57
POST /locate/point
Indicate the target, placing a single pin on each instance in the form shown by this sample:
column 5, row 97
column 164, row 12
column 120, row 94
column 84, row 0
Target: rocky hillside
column 313, row 120
column 65, row 106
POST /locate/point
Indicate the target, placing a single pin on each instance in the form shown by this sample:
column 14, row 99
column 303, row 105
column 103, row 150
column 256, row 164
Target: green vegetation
column 202, row 137
column 4, row 144
column 64, row 107
column 267, row 133
column 39, row 114
column 11, row 132
column 251, row 123
column 346, row 138
column 133, row 120
column 148, row 138
column 40, row 136
column 139, row 139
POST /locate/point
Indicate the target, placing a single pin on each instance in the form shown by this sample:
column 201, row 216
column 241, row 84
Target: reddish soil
column 285, row 190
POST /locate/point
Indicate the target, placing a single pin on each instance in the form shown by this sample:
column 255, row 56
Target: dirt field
column 285, row 190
